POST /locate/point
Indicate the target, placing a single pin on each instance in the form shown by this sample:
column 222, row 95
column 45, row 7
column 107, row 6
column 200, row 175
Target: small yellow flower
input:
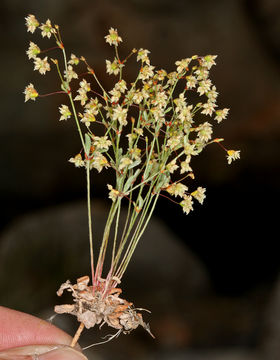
column 204, row 87
column 135, row 153
column 208, row 108
column 175, row 142
column 99, row 162
column 199, row 194
column 31, row 23
column 93, row 106
column 172, row 166
column 204, row 132
column 177, row 189
column 120, row 114
column 87, row 117
column 83, row 90
column 121, row 86
column 187, row 204
column 221, row 114
column 191, row 81
column 115, row 95
column 137, row 97
column 70, row 73
column 146, row 72
column 208, row 61
column 113, row 38
column 85, row 85
column 41, row 65
column 143, row 56
column 182, row 65
column 30, row 93
column 33, row 50
column 65, row 112
column 113, row 67
column 232, row 155
column 102, row 143
column 74, row 60
column 77, row 161
column 47, row 29
column 185, row 165
column 125, row 162
column 113, row 194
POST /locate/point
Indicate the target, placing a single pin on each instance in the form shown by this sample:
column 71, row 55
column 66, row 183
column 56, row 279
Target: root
column 99, row 306
column 111, row 337
column 77, row 335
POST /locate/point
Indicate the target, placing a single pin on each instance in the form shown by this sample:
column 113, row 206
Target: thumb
column 42, row 352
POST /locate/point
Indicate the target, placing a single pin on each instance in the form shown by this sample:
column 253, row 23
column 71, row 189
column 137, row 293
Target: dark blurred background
column 235, row 234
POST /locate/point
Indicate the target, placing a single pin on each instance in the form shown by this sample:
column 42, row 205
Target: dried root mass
column 98, row 306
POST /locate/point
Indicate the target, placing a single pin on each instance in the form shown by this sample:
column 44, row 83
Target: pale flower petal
column 232, row 155
column 113, row 38
column 30, row 93
column 31, row 23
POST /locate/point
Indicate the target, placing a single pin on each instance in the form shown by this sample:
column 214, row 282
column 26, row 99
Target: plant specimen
column 150, row 130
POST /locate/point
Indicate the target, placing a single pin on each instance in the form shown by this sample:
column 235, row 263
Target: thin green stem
column 119, row 61
column 116, row 229
column 77, row 120
column 105, row 239
column 145, row 218
column 59, row 72
column 132, row 222
column 90, row 221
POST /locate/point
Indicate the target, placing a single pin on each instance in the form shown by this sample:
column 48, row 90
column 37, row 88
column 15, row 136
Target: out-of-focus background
column 210, row 278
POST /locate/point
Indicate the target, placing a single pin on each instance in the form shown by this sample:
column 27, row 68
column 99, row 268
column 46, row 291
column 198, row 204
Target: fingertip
column 42, row 352
column 21, row 329
column 64, row 353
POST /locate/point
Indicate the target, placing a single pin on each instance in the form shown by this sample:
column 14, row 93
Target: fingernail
column 64, row 353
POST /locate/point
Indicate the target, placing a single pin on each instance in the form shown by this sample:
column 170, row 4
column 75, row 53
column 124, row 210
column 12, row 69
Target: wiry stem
column 77, row 121
column 90, row 222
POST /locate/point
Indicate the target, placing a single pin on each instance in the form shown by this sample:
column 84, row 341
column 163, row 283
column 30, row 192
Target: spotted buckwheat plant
column 150, row 132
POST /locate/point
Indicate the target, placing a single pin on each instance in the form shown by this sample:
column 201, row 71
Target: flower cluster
column 166, row 124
